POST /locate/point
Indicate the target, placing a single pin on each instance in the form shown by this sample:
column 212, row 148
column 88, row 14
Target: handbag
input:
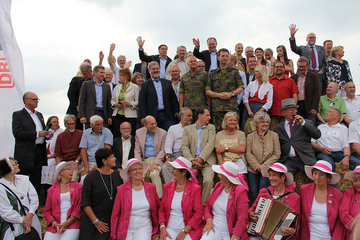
column 33, row 234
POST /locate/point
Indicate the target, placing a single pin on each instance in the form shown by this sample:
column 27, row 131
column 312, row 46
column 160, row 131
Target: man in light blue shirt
column 208, row 56
column 92, row 139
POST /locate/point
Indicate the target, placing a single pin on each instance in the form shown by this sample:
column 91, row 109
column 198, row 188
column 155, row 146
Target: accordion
column 272, row 215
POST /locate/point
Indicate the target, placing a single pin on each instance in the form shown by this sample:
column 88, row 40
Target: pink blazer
column 236, row 214
column 349, row 209
column 52, row 206
column 334, row 197
column 159, row 144
column 191, row 205
column 293, row 200
column 121, row 212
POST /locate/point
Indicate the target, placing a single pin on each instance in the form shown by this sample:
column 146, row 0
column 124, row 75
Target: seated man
column 330, row 100
column 295, row 135
column 173, row 142
column 149, row 147
column 197, row 146
column 67, row 144
column 92, row 139
column 333, row 146
column 123, row 146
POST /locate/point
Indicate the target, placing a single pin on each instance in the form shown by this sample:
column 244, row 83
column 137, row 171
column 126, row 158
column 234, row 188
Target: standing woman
column 124, row 102
column 241, row 61
column 97, row 198
column 181, row 211
column 258, row 95
column 10, row 210
column 47, row 172
column 225, row 211
column 320, row 204
column 338, row 70
column 282, row 56
column 230, row 143
column 260, row 60
column 350, row 203
column 262, row 149
column 282, row 189
column 135, row 212
column 62, row 209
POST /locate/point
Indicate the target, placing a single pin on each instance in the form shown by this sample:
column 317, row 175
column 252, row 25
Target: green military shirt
column 226, row 80
column 193, row 87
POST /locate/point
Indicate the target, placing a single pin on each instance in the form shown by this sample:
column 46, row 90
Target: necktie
column 313, row 58
column 291, row 127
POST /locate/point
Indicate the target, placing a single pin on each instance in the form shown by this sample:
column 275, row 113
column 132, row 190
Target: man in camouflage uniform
column 223, row 85
column 192, row 87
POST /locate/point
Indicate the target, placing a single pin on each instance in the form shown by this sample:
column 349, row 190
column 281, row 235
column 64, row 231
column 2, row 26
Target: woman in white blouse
column 258, row 95
column 124, row 102
column 26, row 192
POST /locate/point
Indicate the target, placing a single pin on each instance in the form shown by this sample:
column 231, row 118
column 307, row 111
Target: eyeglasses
column 234, row 113
column 70, row 124
column 15, row 163
column 125, row 128
column 279, row 67
column 136, row 169
column 35, row 99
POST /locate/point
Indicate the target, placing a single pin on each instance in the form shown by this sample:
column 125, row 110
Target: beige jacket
column 256, row 146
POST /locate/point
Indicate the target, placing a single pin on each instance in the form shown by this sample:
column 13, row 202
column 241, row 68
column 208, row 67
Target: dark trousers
column 35, row 174
column 295, row 164
column 163, row 120
column 305, row 114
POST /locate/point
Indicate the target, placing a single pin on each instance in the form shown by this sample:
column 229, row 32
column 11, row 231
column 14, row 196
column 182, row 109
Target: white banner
column 12, row 84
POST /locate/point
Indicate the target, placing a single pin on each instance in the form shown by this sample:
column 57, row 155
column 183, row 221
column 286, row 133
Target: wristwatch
column 226, row 148
column 232, row 94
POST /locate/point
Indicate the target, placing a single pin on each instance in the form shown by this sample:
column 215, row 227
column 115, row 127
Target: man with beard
column 173, row 142
column 67, row 145
column 92, row 139
column 123, row 146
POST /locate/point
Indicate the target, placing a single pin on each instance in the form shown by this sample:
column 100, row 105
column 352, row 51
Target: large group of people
column 140, row 150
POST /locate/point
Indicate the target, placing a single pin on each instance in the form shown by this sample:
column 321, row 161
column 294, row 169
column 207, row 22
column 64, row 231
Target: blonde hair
column 227, row 115
column 264, row 73
column 334, row 49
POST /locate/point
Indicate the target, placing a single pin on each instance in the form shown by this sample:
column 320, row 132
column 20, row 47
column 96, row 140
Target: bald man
column 30, row 148
column 150, row 148
column 316, row 54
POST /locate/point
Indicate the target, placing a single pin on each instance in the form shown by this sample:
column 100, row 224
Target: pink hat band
column 132, row 162
column 323, row 166
column 277, row 166
column 357, row 170
column 238, row 176
column 185, row 166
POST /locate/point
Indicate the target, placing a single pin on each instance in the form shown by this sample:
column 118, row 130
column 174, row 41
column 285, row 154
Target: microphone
column 298, row 120
column 48, row 127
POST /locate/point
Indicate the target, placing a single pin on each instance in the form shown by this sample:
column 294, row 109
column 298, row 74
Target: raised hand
column 112, row 47
column 140, row 42
column 196, row 42
column 293, row 30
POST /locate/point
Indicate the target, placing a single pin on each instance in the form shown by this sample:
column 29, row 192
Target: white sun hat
column 278, row 167
column 132, row 161
column 325, row 167
column 231, row 171
column 183, row 163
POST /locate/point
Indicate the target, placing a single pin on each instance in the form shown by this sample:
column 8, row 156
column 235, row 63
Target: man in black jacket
column 208, row 56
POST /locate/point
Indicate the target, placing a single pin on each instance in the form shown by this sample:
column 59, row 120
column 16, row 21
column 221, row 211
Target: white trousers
column 91, row 166
column 174, row 232
column 69, row 234
column 143, row 233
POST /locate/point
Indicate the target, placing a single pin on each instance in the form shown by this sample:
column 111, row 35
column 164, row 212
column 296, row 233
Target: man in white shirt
column 123, row 146
column 333, row 145
column 181, row 62
column 354, row 137
column 121, row 60
column 173, row 142
column 352, row 103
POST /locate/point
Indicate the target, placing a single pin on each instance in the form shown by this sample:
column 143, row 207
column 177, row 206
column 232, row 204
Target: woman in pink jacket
column 225, row 211
column 181, row 211
column 62, row 209
column 282, row 185
column 135, row 211
column 350, row 203
column 320, row 204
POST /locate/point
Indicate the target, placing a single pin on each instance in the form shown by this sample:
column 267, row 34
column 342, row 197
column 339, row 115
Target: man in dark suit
column 30, row 148
column 309, row 90
column 295, row 135
column 314, row 53
column 95, row 99
column 123, row 146
column 162, row 58
column 208, row 56
column 74, row 92
column 138, row 68
column 158, row 99
column 108, row 79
